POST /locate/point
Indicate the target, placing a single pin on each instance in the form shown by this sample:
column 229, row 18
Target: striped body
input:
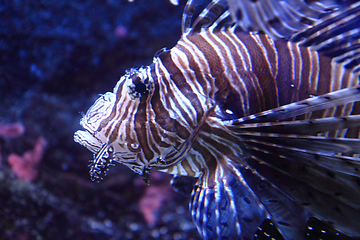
column 256, row 74
column 269, row 127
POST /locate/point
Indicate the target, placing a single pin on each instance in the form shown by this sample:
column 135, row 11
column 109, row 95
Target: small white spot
column 292, row 85
column 172, row 114
column 174, row 2
column 228, row 111
column 323, row 231
column 310, row 228
column 134, row 145
column 111, row 149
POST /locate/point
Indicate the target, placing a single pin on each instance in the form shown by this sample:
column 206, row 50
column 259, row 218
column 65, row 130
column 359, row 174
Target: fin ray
column 302, row 127
column 289, row 218
column 278, row 19
column 337, row 213
column 341, row 186
column 329, row 100
column 228, row 209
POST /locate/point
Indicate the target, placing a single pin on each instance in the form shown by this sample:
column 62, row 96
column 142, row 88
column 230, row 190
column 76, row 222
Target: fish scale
column 259, row 100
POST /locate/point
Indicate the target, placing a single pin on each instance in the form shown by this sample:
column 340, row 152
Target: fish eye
column 140, row 87
column 138, row 90
column 133, row 147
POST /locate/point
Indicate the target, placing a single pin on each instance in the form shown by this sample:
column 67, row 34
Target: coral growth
column 25, row 167
column 11, row 130
column 154, row 196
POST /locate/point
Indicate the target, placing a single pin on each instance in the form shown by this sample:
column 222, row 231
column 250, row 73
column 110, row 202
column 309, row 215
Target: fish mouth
column 87, row 139
column 105, row 156
column 101, row 163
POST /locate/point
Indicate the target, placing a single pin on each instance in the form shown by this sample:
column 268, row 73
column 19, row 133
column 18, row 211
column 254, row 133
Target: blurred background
column 55, row 58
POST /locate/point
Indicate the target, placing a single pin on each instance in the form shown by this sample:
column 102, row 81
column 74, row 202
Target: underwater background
column 56, row 57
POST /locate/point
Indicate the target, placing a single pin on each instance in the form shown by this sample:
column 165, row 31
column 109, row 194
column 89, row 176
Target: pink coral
column 11, row 130
column 120, row 31
column 25, row 167
column 159, row 191
column 152, row 200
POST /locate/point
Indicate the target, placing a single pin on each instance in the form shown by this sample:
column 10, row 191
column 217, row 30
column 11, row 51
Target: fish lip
column 83, row 136
column 87, row 139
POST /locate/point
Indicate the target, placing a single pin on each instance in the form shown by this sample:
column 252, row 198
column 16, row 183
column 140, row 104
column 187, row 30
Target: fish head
column 111, row 123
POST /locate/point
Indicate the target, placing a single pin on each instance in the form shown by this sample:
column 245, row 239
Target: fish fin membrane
column 278, row 19
column 310, row 169
column 240, row 202
column 192, row 10
column 312, row 161
column 328, row 195
column 329, row 142
column 214, row 16
column 301, row 127
column 307, row 106
column 222, row 211
column 337, row 36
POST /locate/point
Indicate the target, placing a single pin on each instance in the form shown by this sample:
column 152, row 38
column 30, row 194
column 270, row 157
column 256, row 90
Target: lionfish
column 259, row 100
